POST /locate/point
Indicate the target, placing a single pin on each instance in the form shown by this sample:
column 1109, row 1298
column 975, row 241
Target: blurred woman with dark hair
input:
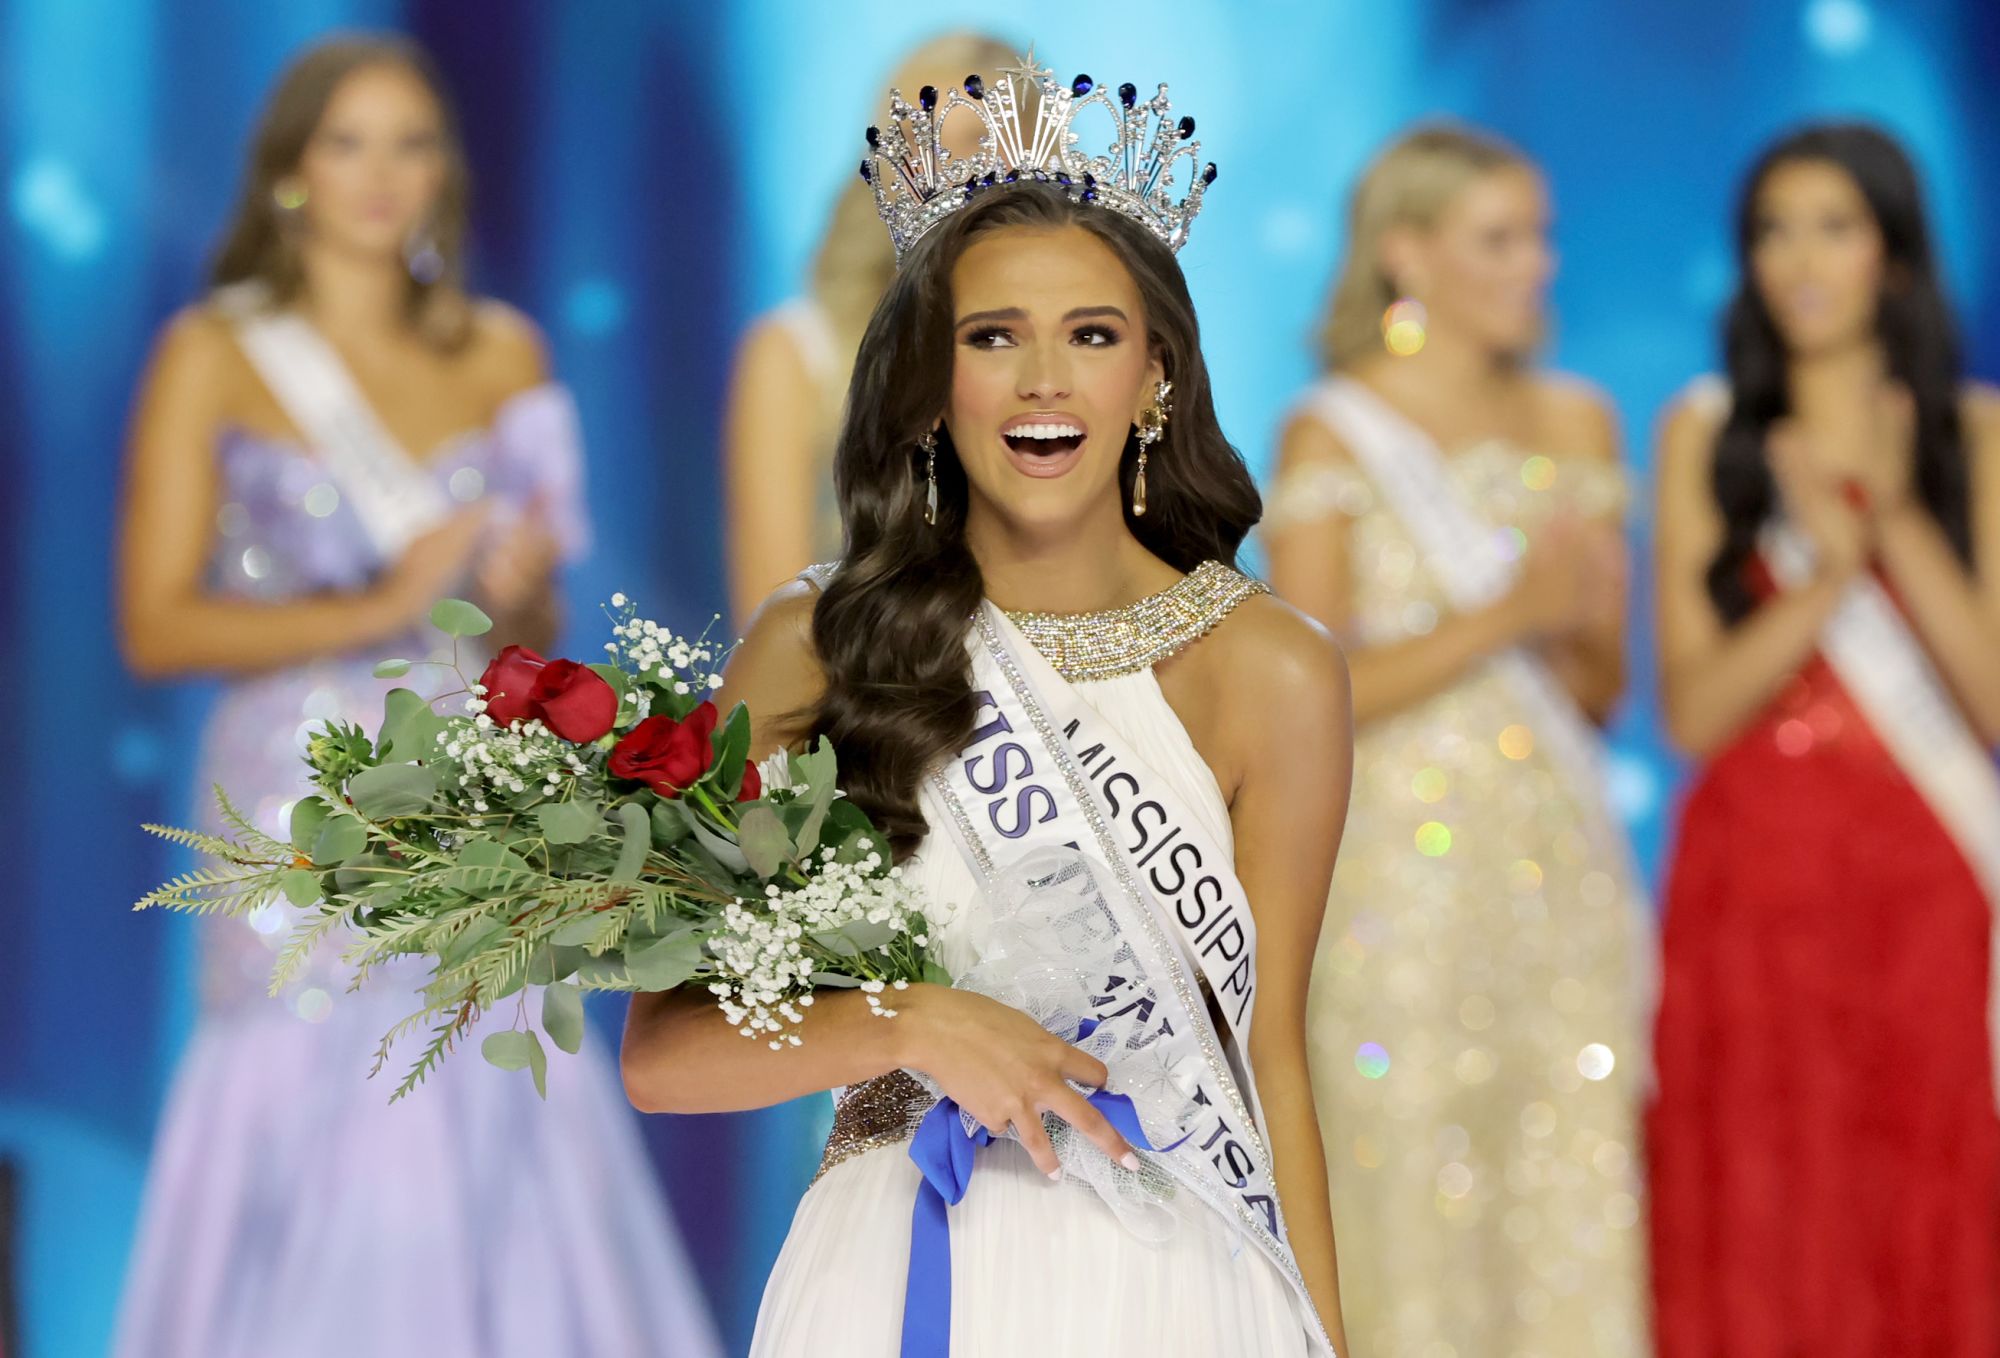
column 1825, row 1148
column 334, row 438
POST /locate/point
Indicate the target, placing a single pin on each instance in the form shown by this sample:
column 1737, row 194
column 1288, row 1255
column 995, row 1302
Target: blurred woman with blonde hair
column 791, row 370
column 1449, row 509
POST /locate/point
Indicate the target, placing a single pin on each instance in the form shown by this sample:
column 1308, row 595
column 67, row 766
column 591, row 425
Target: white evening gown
column 1037, row 1268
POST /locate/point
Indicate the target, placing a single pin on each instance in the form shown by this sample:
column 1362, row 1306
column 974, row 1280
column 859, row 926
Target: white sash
column 1885, row 669
column 392, row 498
column 1045, row 773
column 1474, row 564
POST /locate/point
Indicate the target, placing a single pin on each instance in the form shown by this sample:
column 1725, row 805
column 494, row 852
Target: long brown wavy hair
column 890, row 627
column 261, row 244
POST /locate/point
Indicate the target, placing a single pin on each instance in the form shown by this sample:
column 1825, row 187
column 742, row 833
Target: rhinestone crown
column 918, row 183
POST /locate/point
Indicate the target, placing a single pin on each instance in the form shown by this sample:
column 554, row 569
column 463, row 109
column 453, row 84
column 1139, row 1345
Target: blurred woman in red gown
column 1825, row 1150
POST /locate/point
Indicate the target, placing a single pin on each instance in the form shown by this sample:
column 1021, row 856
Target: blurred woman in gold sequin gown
column 1451, row 512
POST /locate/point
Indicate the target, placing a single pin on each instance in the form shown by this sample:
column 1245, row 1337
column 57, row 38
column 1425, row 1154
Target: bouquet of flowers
column 576, row 828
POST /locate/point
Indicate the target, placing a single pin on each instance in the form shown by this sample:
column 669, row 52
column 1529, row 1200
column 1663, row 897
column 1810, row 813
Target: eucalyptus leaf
column 551, row 964
column 836, row 980
column 725, row 853
column 672, row 821
column 621, row 684
column 569, row 822
column 410, row 726
column 935, row 974
column 308, row 814
column 608, row 970
column 512, row 1050
column 301, row 887
column 638, row 841
column 363, row 872
column 470, row 941
column 391, row 790
column 763, row 840
column 457, row 618
column 818, row 767
column 574, row 933
column 562, row 1017
column 339, row 839
column 666, row 962
column 392, row 669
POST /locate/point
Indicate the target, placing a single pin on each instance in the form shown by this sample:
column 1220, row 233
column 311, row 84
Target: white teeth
column 1045, row 431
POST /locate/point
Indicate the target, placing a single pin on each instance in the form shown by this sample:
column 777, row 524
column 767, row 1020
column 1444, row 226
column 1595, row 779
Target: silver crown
column 918, row 183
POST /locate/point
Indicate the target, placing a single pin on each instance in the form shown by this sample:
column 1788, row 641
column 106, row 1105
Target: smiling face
column 1483, row 269
column 1051, row 366
column 375, row 164
column 1816, row 256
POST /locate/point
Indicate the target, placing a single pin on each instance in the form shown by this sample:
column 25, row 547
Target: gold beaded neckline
column 1115, row 641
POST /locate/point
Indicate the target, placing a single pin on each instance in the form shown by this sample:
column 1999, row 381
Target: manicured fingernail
column 1055, row 1175
column 1130, row 1160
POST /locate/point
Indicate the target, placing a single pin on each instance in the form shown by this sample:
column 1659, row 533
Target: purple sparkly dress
column 290, row 1211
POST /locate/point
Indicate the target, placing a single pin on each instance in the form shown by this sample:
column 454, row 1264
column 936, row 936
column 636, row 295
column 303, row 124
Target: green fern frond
column 232, row 891
column 253, row 838
column 444, row 1038
column 302, row 942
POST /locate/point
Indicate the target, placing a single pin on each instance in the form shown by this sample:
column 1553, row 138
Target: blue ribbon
column 946, row 1152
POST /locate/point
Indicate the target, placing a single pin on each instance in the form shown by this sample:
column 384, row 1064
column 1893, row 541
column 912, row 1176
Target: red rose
column 753, row 782
column 668, row 756
column 573, row 702
column 508, row 682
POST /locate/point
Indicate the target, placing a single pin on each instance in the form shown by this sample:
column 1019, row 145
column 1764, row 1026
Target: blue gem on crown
column 1027, row 119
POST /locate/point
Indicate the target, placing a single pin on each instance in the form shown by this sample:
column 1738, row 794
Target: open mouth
column 1046, row 440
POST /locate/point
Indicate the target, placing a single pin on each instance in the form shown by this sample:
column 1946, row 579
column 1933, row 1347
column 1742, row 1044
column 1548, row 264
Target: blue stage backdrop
column 647, row 177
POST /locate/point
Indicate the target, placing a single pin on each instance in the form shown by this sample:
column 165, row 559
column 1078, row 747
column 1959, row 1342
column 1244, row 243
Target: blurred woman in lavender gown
column 333, row 439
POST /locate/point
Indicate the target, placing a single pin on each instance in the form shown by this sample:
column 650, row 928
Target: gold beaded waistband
column 874, row 1113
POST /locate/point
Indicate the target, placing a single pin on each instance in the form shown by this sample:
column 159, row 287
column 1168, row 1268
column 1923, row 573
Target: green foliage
column 569, row 822
column 392, row 791
column 457, row 618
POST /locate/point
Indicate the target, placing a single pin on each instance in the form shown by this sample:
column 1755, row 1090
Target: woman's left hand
column 516, row 566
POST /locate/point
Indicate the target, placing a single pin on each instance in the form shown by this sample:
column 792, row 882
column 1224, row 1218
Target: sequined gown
column 1474, row 1033
column 1825, row 1153
column 289, row 1210
column 1036, row 1267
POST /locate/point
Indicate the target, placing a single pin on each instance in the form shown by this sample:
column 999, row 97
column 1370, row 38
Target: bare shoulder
column 1689, row 425
column 1305, row 440
column 1979, row 404
column 507, row 350
column 197, row 339
column 775, row 668
column 769, row 352
column 1270, row 656
column 1576, row 415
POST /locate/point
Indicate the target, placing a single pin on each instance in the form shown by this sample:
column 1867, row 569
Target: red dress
column 1824, row 1148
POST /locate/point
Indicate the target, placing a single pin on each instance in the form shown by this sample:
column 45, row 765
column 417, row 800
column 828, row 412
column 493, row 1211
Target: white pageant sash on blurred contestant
column 1046, row 778
column 1887, row 672
column 392, row 497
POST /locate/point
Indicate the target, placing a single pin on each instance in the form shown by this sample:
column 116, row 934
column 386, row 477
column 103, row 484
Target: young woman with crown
column 1116, row 768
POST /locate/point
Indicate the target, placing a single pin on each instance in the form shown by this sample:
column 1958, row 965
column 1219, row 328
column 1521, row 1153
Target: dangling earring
column 1152, row 428
column 929, row 445
column 289, row 194
column 422, row 257
column 1403, row 325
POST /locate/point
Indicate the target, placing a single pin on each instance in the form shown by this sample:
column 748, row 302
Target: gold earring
column 929, row 445
column 1403, row 327
column 1152, row 428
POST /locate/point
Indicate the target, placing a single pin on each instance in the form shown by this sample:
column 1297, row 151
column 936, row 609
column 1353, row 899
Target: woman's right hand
column 1561, row 582
column 433, row 565
column 1004, row 1068
column 1836, row 526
